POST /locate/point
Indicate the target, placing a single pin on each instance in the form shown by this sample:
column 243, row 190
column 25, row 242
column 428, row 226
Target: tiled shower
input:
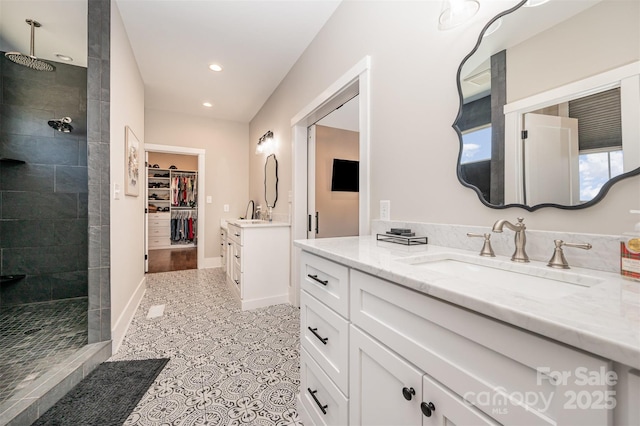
column 43, row 220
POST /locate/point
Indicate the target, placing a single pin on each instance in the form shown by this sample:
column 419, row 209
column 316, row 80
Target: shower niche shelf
column 7, row 279
column 11, row 161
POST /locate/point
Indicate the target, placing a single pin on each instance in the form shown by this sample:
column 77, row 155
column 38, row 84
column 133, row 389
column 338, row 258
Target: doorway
column 354, row 82
column 174, row 217
column 333, row 173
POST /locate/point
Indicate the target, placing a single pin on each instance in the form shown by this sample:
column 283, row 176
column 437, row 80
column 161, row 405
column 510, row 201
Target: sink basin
column 522, row 278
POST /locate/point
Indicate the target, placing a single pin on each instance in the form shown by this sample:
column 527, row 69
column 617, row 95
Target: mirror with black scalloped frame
column 271, row 180
column 549, row 104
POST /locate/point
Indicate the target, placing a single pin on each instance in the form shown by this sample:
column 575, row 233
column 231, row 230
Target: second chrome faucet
column 520, row 254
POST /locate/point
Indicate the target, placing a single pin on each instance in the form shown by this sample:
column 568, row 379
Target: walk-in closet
column 172, row 212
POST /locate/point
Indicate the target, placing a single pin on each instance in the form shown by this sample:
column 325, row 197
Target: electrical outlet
column 226, row 208
column 385, row 210
column 209, row 199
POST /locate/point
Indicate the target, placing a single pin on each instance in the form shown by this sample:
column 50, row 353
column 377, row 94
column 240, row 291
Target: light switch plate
column 226, row 208
column 209, row 199
column 385, row 210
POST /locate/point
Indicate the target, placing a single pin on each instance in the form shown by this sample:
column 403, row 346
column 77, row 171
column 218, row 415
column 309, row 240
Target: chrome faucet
column 519, row 255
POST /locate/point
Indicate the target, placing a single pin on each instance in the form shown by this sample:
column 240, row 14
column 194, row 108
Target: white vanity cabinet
column 387, row 390
column 258, row 263
column 223, row 249
column 417, row 360
column 324, row 338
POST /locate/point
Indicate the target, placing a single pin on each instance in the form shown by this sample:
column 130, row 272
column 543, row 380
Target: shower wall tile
column 28, row 290
column 27, row 177
column 41, row 150
column 70, row 232
column 38, row 205
column 27, row 233
column 19, row 120
column 69, row 285
column 44, row 202
column 71, row 179
column 105, row 289
column 82, row 152
column 95, row 248
column 94, row 293
column 35, row 261
column 95, row 326
column 93, row 121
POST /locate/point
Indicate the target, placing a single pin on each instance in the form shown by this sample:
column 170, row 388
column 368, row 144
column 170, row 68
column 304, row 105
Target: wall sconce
column 265, row 143
column 456, row 12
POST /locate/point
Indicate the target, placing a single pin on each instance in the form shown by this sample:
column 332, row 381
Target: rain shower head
column 30, row 60
column 61, row 125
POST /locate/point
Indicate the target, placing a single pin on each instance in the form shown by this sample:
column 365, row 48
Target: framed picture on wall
column 132, row 163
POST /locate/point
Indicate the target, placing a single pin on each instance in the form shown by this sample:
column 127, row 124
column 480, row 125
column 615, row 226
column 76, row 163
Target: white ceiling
column 256, row 42
column 174, row 41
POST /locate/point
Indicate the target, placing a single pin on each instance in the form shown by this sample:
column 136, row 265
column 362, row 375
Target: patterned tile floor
column 227, row 367
column 37, row 336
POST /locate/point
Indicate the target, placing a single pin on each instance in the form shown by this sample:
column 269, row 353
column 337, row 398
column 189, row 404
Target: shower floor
column 35, row 337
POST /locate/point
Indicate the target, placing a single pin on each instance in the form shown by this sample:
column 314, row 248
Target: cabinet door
column 384, row 389
column 443, row 407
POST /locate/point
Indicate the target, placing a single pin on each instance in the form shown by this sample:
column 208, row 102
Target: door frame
column 168, row 149
column 354, row 81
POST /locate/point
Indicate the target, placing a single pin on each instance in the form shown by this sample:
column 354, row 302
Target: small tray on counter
column 400, row 239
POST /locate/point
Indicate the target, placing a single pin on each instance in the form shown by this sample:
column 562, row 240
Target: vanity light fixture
column 207, row 104
column 265, row 143
column 457, row 12
column 215, row 67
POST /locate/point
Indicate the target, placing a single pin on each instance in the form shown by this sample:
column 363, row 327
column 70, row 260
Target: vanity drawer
column 234, row 233
column 318, row 393
column 476, row 356
column 236, row 253
column 327, row 281
column 325, row 335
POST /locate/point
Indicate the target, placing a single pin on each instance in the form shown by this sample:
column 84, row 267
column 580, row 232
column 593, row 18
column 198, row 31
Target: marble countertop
column 602, row 318
column 256, row 223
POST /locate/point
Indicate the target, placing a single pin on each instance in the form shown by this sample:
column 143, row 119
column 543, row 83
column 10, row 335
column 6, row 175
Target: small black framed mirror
column 271, row 180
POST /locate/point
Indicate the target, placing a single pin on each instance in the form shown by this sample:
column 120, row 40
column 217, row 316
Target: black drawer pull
column 313, row 395
column 408, row 393
column 315, row 278
column 427, row 408
column 236, row 256
column 237, row 282
column 322, row 339
column 237, row 235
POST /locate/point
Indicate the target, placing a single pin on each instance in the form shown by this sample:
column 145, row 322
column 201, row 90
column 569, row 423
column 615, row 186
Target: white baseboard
column 212, row 262
column 121, row 326
column 267, row 301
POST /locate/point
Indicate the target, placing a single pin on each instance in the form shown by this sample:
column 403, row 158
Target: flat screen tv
column 345, row 175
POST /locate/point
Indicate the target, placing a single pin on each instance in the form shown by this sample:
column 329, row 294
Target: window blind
column 599, row 123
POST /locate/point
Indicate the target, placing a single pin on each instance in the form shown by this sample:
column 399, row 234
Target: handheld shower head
column 30, row 60
column 62, row 124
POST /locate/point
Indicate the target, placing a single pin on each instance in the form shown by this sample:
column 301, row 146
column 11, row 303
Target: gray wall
column 43, row 202
column 98, row 153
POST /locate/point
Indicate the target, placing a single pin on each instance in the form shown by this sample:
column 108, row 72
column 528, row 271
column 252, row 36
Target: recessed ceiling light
column 215, row 67
column 64, row 57
column 207, row 104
